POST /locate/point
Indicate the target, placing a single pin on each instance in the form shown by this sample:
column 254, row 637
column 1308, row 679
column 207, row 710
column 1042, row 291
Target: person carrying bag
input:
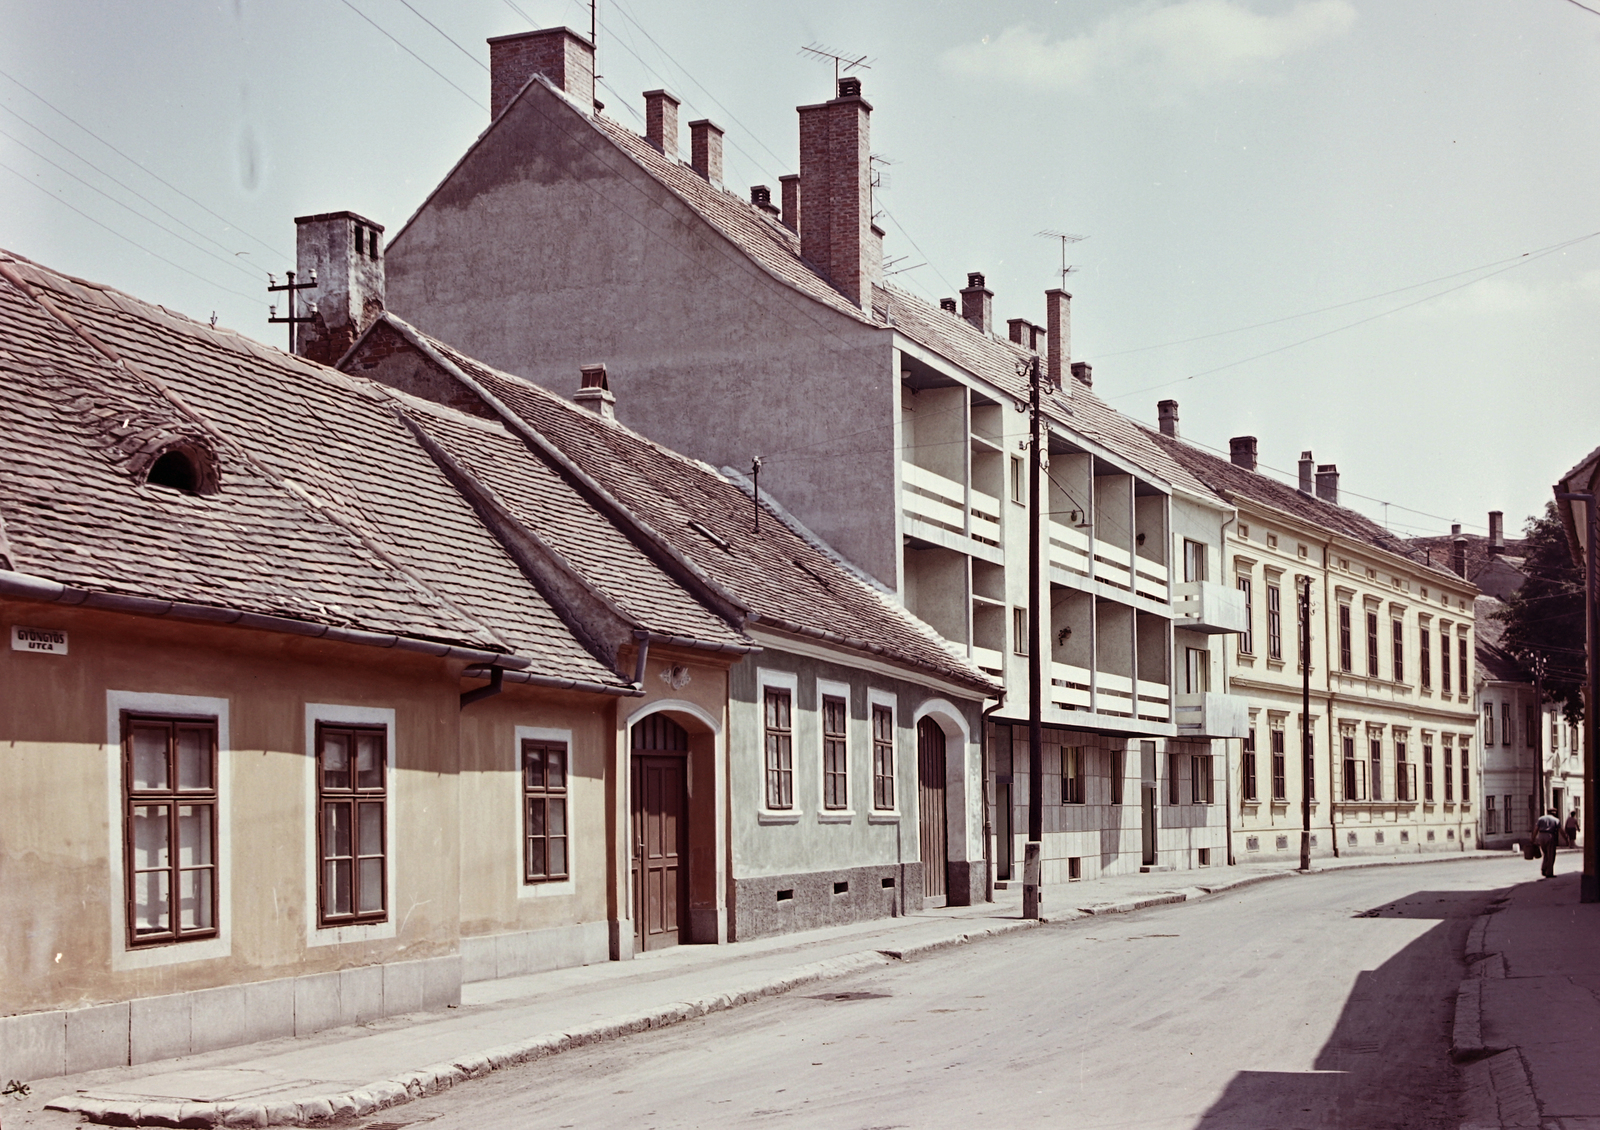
column 1547, row 834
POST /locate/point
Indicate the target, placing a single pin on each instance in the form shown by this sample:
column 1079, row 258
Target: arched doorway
column 931, row 809
column 660, row 832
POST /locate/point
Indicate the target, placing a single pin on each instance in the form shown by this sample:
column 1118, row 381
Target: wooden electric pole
column 1031, row 864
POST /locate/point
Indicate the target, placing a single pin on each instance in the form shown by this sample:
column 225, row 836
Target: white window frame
column 876, row 697
column 830, row 688
column 124, row 956
column 569, row 885
column 782, row 681
column 335, row 714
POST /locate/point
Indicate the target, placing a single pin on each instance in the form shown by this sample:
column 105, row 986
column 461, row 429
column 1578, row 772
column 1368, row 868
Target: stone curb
column 1127, row 906
column 431, row 1080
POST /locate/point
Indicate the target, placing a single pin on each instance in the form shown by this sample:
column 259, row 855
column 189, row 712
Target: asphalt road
column 1316, row 1001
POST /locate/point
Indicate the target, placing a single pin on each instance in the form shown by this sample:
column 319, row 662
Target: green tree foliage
column 1545, row 617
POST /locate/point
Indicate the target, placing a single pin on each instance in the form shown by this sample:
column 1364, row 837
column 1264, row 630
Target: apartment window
column 169, row 791
column 1372, row 645
column 1375, row 756
column 1272, row 541
column 1466, row 777
column 780, row 749
column 1280, row 781
column 1344, row 638
column 835, row 754
column 1506, row 738
column 883, row 758
column 1071, row 775
column 1490, row 817
column 1249, row 766
column 1274, row 622
column 1244, row 532
column 1247, row 638
column 1308, row 764
column 1405, row 774
column 1398, row 630
column 1194, row 560
column 1444, row 660
column 1201, row 788
column 1461, row 664
column 1174, row 788
column 1427, row 772
column 1353, row 769
column 1488, row 723
column 1118, row 768
column 1019, row 631
column 352, row 803
column 1449, row 773
column 544, row 807
column 1425, row 657
column 1196, row 670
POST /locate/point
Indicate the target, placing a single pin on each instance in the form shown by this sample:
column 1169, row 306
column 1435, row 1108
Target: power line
column 446, row 34
column 413, row 54
column 1585, row 7
column 137, row 164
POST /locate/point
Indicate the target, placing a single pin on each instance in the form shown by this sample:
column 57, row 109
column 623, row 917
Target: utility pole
column 1308, row 765
column 1031, row 864
column 292, row 288
column 1590, row 889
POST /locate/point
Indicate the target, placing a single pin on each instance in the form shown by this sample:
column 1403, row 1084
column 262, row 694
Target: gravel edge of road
column 1496, row 1090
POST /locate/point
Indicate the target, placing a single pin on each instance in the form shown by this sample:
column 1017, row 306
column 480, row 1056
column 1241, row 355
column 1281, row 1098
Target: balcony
column 1069, row 686
column 1069, row 549
column 1209, row 608
column 944, row 503
column 1211, row 715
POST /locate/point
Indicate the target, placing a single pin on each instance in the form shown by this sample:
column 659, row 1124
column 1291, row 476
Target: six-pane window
column 780, row 749
column 170, row 822
column 544, row 806
column 1274, row 622
column 883, row 758
column 835, row 754
column 351, row 798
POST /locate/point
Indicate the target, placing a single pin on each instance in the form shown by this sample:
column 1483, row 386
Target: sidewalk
column 1528, row 1015
column 351, row 1072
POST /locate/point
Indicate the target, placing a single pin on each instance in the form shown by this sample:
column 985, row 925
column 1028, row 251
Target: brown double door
column 660, row 856
column 931, row 810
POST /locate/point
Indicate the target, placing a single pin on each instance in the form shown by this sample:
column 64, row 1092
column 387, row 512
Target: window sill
column 835, row 816
column 778, row 817
column 547, row 890
column 883, row 818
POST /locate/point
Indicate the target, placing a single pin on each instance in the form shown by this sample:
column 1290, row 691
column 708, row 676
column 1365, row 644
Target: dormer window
column 187, row 466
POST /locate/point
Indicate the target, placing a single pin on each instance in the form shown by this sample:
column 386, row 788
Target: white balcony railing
column 1069, row 686
column 1211, row 715
column 933, row 498
column 1114, row 693
column 1154, row 701
column 985, row 517
column 1150, row 579
column 989, row 659
column 1111, row 564
column 1206, row 606
column 1069, row 549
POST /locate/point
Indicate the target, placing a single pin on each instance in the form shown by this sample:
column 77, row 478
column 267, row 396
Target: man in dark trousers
column 1572, row 828
column 1546, row 835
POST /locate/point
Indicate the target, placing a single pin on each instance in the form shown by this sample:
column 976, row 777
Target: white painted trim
column 358, row 716
column 876, row 697
column 789, row 681
column 834, row 689
column 675, row 704
column 569, row 885
column 124, row 957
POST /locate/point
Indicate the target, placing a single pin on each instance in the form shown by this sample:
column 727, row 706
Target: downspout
column 988, row 828
column 643, row 659
column 497, row 679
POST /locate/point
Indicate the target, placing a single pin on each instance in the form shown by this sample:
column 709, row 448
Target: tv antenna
column 1065, row 238
column 841, row 62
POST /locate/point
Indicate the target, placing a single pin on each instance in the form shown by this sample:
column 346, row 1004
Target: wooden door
column 660, row 874
column 930, row 799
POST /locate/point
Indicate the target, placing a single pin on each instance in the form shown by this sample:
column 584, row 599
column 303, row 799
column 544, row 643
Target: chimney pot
column 948, row 305
column 1497, row 532
column 1242, row 452
column 560, row 54
column 339, row 252
column 705, row 149
column 1328, row 482
column 835, row 161
column 790, row 183
column 1083, row 372
column 1167, row 417
column 761, row 197
column 1058, row 336
column 1458, row 550
column 850, row 87
column 661, row 122
column 594, row 392
column 977, row 302
column 1308, row 467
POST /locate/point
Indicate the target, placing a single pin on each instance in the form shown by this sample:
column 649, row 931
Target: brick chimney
column 1308, row 467
column 790, row 185
column 1058, row 336
column 834, row 166
column 948, row 305
column 1167, row 417
column 705, row 149
column 1458, row 550
column 761, row 197
column 977, row 302
column 1242, row 452
column 1083, row 373
column 1328, row 482
column 595, row 394
column 344, row 252
column 661, row 122
column 558, row 53
column 1497, row 532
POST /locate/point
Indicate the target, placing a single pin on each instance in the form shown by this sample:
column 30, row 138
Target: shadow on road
column 1387, row 1061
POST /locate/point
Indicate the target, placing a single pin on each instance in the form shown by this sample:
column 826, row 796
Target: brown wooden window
column 1427, row 772
column 835, row 753
column 1247, row 638
column 1375, row 756
column 1405, row 774
column 1466, row 777
column 1444, row 661
column 1449, row 773
column 1071, row 775
column 1344, row 638
column 1280, row 782
column 883, row 758
column 1397, row 631
column 544, row 812
column 1249, row 764
column 1461, row 662
column 1425, row 656
column 780, row 749
column 1372, row 644
column 352, row 798
column 169, row 788
column 1274, row 622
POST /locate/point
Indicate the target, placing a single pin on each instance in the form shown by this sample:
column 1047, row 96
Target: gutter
column 855, row 643
column 23, row 586
column 554, row 682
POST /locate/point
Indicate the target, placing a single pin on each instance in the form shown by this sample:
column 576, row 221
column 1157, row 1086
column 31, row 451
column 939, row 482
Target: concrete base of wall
column 965, row 878
column 534, row 951
column 42, row 1045
column 758, row 912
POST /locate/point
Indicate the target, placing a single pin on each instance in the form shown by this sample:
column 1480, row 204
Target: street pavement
column 1260, row 1003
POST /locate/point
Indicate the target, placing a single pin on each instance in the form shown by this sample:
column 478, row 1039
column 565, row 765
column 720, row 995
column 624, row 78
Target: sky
column 1363, row 228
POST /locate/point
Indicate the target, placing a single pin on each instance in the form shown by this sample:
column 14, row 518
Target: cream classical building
column 1393, row 720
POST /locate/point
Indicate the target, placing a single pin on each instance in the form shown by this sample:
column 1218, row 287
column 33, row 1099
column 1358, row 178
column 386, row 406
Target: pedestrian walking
column 1546, row 835
column 1572, row 828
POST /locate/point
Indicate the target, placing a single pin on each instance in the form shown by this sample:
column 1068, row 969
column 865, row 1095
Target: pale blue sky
column 1235, row 162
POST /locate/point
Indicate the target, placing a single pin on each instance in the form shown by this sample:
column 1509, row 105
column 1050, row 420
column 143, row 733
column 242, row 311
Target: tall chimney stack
column 344, row 253
column 1497, row 532
column 558, row 53
column 835, row 162
column 1058, row 336
column 1308, row 467
column 1242, row 451
column 790, row 183
column 1167, row 414
column 705, row 149
column 977, row 302
column 1458, row 550
column 1328, row 482
column 661, row 122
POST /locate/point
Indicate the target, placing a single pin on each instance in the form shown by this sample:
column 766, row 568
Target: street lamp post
column 1308, row 765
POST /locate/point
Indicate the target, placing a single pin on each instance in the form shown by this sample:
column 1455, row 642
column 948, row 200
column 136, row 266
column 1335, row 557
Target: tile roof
column 330, row 510
column 1494, row 661
column 788, row 581
column 1440, row 548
